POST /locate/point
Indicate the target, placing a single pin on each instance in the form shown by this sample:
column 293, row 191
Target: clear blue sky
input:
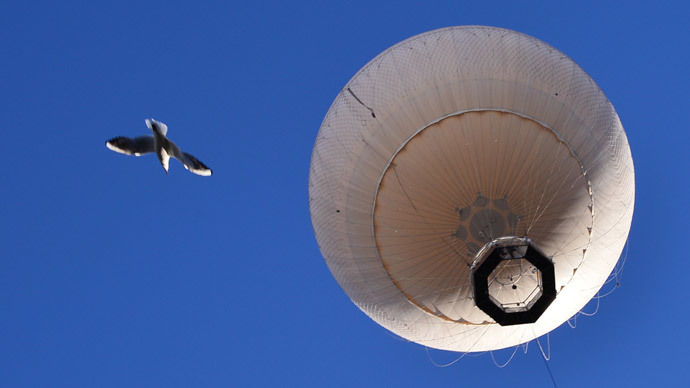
column 113, row 274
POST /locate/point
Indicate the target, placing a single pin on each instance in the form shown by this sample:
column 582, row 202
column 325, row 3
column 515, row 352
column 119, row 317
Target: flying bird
column 161, row 145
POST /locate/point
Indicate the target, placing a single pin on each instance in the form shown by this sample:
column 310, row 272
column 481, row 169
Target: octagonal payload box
column 513, row 281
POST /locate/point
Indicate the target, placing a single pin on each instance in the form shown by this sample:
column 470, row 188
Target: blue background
column 113, row 274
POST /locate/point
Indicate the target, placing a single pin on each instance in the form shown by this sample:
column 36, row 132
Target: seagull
column 161, row 145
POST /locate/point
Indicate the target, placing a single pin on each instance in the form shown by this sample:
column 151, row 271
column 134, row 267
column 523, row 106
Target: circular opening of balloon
column 471, row 188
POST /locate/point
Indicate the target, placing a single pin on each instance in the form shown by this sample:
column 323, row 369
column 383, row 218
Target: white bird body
column 161, row 145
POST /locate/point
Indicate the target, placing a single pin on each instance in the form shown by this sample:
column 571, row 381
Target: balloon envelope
column 440, row 150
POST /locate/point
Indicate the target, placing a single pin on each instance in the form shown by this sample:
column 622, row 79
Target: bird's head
column 153, row 125
column 157, row 126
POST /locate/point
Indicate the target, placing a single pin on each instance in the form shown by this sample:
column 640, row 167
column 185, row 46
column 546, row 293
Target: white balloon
column 453, row 139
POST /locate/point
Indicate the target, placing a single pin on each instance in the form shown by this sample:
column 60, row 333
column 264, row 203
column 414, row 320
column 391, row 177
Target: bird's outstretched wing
column 137, row 146
column 189, row 161
column 194, row 165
